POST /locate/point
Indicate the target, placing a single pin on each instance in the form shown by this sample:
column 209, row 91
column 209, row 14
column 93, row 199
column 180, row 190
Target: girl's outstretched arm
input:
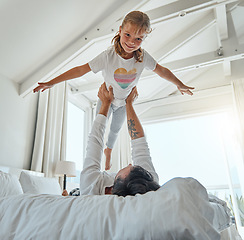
column 70, row 74
column 168, row 75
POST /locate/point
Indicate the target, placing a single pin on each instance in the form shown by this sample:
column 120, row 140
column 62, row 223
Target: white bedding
column 180, row 209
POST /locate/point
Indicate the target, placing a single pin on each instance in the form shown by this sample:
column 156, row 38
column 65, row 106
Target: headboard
column 17, row 171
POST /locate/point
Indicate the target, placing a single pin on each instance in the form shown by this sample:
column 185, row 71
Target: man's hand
column 132, row 96
column 106, row 97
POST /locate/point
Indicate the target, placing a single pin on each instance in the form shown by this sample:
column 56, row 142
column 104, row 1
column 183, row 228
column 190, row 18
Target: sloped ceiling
column 201, row 41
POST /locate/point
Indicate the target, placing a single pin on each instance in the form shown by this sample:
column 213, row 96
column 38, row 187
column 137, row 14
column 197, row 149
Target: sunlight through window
column 75, row 136
column 205, row 148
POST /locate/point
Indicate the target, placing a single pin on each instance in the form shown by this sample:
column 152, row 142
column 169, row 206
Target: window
column 205, row 148
column 75, row 141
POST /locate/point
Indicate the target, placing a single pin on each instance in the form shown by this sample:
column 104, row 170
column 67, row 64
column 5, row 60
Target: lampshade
column 65, row 167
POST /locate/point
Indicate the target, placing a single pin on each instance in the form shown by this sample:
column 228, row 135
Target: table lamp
column 66, row 169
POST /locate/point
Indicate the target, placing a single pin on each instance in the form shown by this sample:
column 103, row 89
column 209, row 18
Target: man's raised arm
column 140, row 151
column 134, row 126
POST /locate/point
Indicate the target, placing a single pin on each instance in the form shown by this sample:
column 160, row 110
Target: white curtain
column 50, row 135
column 122, row 149
column 238, row 93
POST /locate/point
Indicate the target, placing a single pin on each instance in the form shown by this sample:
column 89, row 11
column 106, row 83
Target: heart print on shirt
column 124, row 78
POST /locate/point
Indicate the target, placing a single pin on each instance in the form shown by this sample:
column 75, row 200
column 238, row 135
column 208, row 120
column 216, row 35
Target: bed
column 180, row 209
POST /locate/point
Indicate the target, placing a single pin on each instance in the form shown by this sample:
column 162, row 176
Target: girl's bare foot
column 107, row 152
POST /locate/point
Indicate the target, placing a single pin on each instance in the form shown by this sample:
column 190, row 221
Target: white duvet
column 180, row 209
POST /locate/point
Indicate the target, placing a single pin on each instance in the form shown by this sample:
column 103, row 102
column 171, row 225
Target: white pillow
column 9, row 185
column 39, row 185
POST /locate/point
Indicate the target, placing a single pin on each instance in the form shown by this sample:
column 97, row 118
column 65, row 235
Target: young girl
column 121, row 65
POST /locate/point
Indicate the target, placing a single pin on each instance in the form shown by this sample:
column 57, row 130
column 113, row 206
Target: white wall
column 17, row 124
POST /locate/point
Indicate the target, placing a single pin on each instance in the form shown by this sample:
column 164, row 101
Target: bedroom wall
column 17, row 123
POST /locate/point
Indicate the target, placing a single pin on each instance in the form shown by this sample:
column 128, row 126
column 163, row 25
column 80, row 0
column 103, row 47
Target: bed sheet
column 180, row 209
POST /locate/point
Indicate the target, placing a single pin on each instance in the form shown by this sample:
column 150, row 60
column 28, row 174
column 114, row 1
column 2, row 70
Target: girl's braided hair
column 142, row 21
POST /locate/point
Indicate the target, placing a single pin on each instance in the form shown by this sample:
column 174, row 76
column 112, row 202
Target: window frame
column 231, row 186
column 82, row 103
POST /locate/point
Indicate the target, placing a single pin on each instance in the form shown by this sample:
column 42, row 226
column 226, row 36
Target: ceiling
column 201, row 41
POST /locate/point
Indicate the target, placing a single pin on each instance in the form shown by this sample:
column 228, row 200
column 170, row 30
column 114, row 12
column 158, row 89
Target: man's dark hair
column 139, row 180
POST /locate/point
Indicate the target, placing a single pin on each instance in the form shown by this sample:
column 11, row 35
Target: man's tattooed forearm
column 132, row 130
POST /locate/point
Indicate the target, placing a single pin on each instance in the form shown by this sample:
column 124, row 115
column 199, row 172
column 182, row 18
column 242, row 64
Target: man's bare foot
column 107, row 152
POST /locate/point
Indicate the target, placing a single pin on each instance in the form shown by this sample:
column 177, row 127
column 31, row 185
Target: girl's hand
column 132, row 96
column 42, row 86
column 185, row 89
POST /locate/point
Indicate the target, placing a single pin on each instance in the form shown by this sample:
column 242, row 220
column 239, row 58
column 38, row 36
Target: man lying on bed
column 138, row 178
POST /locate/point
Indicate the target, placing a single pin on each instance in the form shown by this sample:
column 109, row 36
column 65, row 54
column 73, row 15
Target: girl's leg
column 108, row 152
column 118, row 118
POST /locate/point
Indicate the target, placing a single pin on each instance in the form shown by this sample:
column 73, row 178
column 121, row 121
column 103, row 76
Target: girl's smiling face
column 130, row 38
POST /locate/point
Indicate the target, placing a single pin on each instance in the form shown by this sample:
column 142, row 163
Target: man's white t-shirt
column 122, row 74
column 93, row 181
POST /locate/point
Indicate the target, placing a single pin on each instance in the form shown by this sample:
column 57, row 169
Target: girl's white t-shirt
column 122, row 74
